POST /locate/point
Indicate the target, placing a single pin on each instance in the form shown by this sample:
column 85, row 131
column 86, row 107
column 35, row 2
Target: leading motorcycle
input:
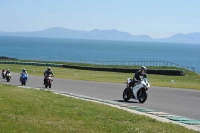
column 138, row 91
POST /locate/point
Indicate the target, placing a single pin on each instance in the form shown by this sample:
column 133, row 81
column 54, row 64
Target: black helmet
column 49, row 68
column 24, row 70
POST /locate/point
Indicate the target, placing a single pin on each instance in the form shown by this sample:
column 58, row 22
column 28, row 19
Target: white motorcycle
column 138, row 92
column 8, row 77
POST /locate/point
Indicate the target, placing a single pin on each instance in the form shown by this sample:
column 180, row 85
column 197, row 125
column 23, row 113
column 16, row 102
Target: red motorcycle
column 3, row 73
column 48, row 81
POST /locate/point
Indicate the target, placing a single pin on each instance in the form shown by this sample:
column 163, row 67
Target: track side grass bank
column 190, row 80
column 96, row 65
column 29, row 110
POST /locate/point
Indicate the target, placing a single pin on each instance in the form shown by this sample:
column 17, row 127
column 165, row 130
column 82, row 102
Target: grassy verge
column 23, row 110
column 99, row 65
column 190, row 80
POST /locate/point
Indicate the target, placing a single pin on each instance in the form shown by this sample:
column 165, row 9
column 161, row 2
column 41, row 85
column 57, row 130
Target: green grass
column 29, row 110
column 190, row 80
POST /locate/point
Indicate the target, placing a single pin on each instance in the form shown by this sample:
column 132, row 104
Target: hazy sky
column 156, row 18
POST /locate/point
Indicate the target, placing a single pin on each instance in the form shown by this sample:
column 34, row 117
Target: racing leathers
column 47, row 73
column 22, row 74
column 138, row 76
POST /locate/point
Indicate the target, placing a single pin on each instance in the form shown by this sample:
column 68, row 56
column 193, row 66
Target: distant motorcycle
column 24, row 79
column 3, row 74
column 48, row 81
column 138, row 92
column 8, row 77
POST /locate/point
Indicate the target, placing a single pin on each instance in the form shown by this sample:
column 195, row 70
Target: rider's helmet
column 8, row 70
column 24, row 70
column 49, row 68
column 143, row 69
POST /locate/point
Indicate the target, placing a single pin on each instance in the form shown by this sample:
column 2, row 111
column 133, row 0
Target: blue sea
column 99, row 50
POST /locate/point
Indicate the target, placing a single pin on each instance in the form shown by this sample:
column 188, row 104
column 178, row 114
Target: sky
column 156, row 18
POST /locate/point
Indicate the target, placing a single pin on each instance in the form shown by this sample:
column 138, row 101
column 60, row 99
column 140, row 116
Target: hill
column 58, row 32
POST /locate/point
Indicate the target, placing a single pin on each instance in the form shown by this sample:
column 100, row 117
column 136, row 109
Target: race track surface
column 181, row 102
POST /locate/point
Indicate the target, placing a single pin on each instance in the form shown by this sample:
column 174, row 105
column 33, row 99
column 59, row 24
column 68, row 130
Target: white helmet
column 143, row 68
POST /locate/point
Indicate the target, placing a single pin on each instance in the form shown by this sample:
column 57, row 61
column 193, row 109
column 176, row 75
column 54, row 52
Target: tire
column 126, row 94
column 8, row 79
column 23, row 82
column 142, row 95
column 49, row 84
column 46, row 85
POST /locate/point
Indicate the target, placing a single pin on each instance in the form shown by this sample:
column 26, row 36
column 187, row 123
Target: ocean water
column 99, row 50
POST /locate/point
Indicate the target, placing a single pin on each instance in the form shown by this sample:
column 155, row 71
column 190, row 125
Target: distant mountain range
column 57, row 32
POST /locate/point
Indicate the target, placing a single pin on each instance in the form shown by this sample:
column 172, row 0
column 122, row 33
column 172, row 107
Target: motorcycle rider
column 139, row 75
column 8, row 71
column 47, row 73
column 3, row 72
column 24, row 72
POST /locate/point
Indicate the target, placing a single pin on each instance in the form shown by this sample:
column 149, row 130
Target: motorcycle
column 23, row 79
column 3, row 74
column 8, row 77
column 138, row 91
column 48, row 81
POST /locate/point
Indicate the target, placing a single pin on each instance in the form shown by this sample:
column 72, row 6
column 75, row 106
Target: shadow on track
column 122, row 101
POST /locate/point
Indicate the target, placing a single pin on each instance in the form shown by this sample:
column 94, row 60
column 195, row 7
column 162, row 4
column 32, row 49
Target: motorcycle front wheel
column 23, row 82
column 142, row 95
column 46, row 85
column 126, row 95
column 8, row 79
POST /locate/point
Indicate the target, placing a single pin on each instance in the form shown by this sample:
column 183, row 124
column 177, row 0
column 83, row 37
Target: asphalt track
column 181, row 102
